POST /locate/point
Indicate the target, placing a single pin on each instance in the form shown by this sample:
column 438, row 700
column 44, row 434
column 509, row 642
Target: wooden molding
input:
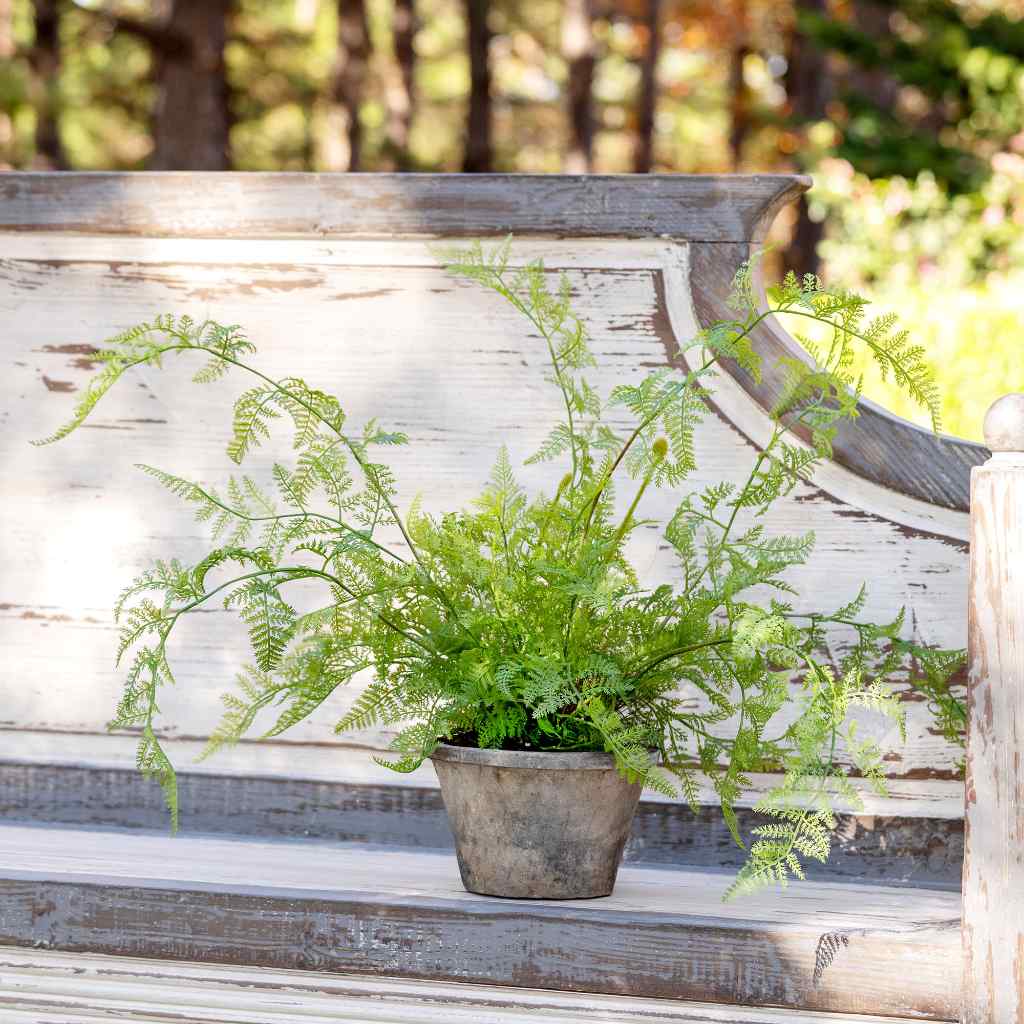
column 909, row 841
column 271, row 205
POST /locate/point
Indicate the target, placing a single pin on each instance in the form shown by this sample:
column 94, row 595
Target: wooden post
column 993, row 887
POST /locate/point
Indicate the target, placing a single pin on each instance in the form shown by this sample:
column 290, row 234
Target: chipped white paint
column 41, row 987
column 993, row 883
column 380, row 325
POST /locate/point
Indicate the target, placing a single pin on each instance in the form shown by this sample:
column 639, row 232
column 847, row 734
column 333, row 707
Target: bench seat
column 336, row 908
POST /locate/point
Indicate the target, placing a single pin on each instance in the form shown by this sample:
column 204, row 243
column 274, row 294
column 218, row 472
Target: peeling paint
column 60, row 386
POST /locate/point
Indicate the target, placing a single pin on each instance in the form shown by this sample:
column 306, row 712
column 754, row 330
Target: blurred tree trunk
column 739, row 97
column 45, row 63
column 808, row 90
column 479, row 151
column 192, row 118
column 580, row 58
column 344, row 151
column 883, row 88
column 402, row 97
column 643, row 159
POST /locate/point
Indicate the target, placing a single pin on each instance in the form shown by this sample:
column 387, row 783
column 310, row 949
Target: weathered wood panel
column 993, row 883
column 663, row 934
column 736, row 208
column 380, row 324
column 45, row 988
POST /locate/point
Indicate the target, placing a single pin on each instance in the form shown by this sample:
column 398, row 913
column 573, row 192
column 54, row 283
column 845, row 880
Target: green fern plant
column 519, row 622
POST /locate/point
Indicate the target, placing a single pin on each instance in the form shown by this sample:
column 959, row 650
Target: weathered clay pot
column 531, row 825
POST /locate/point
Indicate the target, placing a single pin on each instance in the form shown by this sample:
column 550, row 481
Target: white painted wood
column 993, row 883
column 378, row 323
column 1004, row 425
column 45, row 988
column 665, row 257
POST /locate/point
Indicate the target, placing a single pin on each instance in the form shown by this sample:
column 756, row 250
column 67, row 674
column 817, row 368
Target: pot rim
column 545, row 760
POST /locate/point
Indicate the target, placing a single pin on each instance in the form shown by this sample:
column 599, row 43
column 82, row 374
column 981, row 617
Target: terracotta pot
column 533, row 825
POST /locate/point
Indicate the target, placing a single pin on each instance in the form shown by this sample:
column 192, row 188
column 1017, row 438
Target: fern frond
column 413, row 745
column 114, row 367
column 269, row 618
column 256, row 690
column 154, row 763
column 250, row 425
column 828, row 948
column 558, row 441
column 379, row 702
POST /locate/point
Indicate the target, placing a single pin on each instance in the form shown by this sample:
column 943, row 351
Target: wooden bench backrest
column 334, row 279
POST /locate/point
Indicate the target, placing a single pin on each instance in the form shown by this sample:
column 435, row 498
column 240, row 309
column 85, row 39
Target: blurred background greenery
column 909, row 114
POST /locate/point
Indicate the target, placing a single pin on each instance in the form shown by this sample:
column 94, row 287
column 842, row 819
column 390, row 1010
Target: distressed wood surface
column 993, row 882
column 380, row 324
column 45, row 988
column 320, row 907
column 719, row 208
column 889, row 848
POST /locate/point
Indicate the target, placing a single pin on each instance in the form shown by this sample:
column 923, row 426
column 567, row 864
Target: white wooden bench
column 333, row 278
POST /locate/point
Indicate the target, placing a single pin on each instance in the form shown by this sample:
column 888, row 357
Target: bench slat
column 43, row 987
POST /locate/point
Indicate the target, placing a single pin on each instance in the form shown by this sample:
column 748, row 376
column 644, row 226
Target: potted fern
column 513, row 642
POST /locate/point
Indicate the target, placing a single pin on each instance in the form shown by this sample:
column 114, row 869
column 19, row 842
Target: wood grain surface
column 993, row 882
column 323, row 907
column 41, row 987
column 734, row 208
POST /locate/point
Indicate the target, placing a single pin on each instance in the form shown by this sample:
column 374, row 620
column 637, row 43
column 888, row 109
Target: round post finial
column 1004, row 424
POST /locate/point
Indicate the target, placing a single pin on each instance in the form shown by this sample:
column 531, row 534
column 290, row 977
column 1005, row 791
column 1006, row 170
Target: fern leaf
column 269, row 618
column 154, row 763
column 250, row 427
column 256, row 690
